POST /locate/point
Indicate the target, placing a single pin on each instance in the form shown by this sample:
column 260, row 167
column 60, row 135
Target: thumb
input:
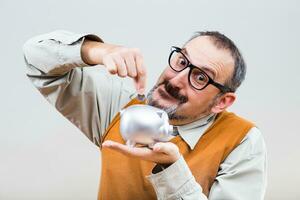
column 165, row 147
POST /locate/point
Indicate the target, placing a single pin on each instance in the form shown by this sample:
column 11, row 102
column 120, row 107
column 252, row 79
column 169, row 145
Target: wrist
column 93, row 52
column 89, row 52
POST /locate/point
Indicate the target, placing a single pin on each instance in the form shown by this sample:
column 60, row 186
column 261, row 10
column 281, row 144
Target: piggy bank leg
column 130, row 143
column 151, row 145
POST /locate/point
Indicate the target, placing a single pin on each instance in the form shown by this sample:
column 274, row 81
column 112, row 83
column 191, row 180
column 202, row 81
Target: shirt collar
column 192, row 132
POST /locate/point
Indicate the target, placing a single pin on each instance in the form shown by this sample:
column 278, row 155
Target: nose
column 180, row 80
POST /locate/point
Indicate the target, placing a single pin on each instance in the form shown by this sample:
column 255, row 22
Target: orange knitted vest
column 124, row 178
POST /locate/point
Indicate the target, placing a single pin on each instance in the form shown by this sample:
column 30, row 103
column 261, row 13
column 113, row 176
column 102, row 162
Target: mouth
column 165, row 95
column 171, row 96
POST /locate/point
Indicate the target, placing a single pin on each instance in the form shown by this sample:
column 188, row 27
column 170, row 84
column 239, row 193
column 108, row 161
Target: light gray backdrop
column 43, row 156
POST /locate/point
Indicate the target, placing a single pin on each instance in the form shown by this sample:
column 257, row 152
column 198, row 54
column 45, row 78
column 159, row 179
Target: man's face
column 173, row 93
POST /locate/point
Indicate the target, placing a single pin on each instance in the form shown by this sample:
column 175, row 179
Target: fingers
column 163, row 152
column 126, row 150
column 140, row 79
column 116, row 146
column 110, row 65
column 131, row 65
column 127, row 62
column 120, row 65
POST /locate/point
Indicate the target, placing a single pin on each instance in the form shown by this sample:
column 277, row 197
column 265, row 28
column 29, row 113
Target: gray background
column 43, row 156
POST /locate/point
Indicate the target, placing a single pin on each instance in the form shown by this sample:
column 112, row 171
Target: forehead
column 203, row 52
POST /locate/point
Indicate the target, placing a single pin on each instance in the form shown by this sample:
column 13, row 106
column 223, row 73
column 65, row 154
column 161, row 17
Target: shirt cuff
column 71, row 55
column 174, row 181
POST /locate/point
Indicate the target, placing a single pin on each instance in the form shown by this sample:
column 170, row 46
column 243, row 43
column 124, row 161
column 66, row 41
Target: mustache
column 174, row 92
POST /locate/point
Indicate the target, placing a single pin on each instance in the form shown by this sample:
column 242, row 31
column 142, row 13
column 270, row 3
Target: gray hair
column 223, row 42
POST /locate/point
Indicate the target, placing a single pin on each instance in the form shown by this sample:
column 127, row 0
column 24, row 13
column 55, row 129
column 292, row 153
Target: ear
column 223, row 102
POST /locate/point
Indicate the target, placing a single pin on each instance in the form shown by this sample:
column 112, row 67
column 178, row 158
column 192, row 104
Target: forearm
column 54, row 64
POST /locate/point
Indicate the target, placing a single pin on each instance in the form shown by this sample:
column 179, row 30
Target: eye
column 198, row 78
column 182, row 62
column 201, row 77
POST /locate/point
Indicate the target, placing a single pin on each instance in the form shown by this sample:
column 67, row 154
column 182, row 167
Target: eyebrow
column 204, row 68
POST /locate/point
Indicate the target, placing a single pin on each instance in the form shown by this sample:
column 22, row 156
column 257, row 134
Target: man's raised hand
column 118, row 60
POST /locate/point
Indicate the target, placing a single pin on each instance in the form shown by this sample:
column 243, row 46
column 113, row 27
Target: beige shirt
column 89, row 98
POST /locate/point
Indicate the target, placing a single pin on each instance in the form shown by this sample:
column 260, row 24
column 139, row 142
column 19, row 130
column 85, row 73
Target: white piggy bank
column 146, row 125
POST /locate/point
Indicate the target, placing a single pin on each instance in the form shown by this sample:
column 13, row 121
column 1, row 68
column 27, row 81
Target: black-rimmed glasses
column 197, row 78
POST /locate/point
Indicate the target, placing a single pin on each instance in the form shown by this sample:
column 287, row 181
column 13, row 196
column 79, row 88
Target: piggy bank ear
column 163, row 116
column 159, row 113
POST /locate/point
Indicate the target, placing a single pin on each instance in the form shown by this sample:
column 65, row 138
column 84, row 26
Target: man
column 213, row 155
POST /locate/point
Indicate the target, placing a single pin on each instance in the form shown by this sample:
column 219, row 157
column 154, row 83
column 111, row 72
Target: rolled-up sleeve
column 86, row 95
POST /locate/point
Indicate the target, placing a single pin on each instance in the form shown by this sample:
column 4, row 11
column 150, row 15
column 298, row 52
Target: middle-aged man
column 214, row 154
